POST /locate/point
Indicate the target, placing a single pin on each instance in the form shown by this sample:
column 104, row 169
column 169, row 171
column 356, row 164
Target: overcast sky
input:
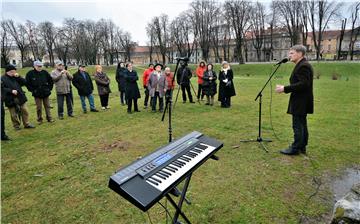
column 129, row 15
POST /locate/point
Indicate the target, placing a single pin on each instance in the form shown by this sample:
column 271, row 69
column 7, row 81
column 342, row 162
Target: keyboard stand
column 180, row 203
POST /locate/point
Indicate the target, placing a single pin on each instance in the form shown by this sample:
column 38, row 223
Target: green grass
column 58, row 173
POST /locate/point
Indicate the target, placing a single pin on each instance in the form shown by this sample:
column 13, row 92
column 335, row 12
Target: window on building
column 329, row 47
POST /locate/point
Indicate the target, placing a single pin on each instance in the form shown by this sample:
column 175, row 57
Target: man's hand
column 279, row 89
column 16, row 75
column 14, row 92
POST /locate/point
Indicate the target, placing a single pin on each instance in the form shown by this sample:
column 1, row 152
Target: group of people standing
column 207, row 84
column 158, row 83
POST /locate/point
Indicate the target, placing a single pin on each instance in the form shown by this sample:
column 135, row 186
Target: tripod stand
column 179, row 86
column 259, row 96
column 175, row 191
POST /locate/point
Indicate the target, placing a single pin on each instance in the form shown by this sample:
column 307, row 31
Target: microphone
column 282, row 61
column 182, row 59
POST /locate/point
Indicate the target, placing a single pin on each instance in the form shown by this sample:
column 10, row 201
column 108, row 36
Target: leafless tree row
column 211, row 25
column 83, row 40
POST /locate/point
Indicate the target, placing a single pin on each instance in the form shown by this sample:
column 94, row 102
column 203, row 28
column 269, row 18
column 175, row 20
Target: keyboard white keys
column 162, row 179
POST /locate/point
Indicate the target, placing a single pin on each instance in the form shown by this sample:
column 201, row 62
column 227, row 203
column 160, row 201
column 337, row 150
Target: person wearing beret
column 14, row 98
column 132, row 89
column 301, row 100
column 157, row 87
column 40, row 83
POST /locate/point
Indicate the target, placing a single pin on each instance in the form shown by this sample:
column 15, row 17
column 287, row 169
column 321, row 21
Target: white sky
column 129, row 15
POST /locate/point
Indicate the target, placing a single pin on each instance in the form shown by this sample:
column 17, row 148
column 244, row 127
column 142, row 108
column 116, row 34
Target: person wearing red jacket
column 200, row 74
column 146, row 77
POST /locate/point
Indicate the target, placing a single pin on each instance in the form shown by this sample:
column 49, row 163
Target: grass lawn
column 58, row 173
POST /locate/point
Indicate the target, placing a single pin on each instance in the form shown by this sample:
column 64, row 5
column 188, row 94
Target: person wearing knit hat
column 14, row 98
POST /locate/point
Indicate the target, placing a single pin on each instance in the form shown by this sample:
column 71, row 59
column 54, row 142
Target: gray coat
column 157, row 85
column 62, row 80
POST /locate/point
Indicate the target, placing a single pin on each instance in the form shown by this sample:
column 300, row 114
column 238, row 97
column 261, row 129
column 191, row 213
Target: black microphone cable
column 270, row 109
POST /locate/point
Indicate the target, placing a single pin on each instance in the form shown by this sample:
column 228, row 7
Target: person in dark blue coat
column 132, row 90
column 83, row 83
column 120, row 79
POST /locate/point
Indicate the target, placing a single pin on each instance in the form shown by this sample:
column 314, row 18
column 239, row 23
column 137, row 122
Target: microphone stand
column 175, row 191
column 259, row 96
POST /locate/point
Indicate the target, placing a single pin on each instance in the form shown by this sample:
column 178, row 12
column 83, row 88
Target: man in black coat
column 183, row 77
column 40, row 83
column 301, row 100
column 83, row 84
column 14, row 97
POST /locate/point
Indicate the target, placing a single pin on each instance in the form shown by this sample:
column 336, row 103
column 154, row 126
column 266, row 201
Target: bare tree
column 127, row 44
column 257, row 27
column 354, row 33
column 321, row 12
column 48, row 33
column 341, row 37
column 304, row 13
column 290, row 12
column 5, row 44
column 238, row 12
column 151, row 34
column 183, row 34
column 32, row 34
column 203, row 17
column 18, row 33
column 160, row 26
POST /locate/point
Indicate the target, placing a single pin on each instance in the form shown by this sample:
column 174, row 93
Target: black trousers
column 130, row 102
column 2, row 120
column 226, row 101
column 122, row 97
column 104, row 100
column 301, row 135
column 60, row 104
column 146, row 100
column 153, row 102
column 187, row 88
column 200, row 92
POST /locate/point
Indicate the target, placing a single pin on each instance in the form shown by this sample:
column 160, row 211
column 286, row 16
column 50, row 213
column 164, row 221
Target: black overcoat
column 39, row 83
column 84, row 87
column 120, row 78
column 226, row 89
column 8, row 84
column 132, row 89
column 301, row 88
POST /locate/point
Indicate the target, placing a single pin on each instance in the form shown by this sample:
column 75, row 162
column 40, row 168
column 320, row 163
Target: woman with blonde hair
column 226, row 86
column 103, row 85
